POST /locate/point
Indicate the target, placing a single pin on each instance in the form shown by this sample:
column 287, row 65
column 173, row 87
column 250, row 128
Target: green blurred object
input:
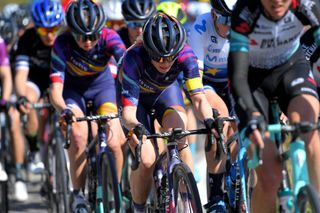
column 4, row 2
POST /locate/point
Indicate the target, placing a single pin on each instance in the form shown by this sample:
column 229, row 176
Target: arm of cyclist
column 59, row 104
column 6, row 82
column 20, row 83
column 132, row 124
column 5, row 72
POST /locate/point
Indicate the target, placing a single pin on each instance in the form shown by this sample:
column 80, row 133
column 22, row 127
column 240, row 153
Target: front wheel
column 110, row 187
column 308, row 200
column 62, row 179
column 186, row 194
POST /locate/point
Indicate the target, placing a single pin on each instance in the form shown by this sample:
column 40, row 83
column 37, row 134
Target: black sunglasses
column 162, row 59
column 84, row 38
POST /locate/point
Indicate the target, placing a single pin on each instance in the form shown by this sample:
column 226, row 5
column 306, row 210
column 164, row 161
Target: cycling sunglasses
column 224, row 20
column 85, row 38
column 160, row 59
column 135, row 24
column 44, row 31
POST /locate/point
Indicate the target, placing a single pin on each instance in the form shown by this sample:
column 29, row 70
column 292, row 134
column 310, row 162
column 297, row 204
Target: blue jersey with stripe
column 138, row 75
column 68, row 58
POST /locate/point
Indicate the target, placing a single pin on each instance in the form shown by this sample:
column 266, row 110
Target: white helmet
column 112, row 9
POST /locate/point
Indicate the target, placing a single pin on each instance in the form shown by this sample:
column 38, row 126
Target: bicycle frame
column 241, row 158
column 166, row 162
column 297, row 154
column 95, row 157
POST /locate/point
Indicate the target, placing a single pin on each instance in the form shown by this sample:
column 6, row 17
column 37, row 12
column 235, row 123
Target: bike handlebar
column 100, row 118
column 296, row 129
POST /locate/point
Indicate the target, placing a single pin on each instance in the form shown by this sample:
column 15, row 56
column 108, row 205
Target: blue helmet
column 47, row 13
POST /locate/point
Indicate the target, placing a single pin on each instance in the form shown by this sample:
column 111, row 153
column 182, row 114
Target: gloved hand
column 22, row 104
column 22, row 100
column 256, row 128
column 66, row 116
column 256, row 122
column 209, row 123
column 139, row 130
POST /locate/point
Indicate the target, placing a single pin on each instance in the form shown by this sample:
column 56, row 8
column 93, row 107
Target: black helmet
column 8, row 30
column 223, row 7
column 22, row 16
column 85, row 17
column 137, row 10
column 163, row 35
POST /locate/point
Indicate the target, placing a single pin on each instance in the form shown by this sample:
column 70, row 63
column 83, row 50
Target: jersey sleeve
column 188, row 64
column 129, row 77
column 58, row 62
column 238, row 60
column 22, row 58
column 115, row 44
column 310, row 11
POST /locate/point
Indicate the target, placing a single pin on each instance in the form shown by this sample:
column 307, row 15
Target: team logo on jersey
column 253, row 42
column 214, row 39
column 201, row 28
column 212, row 71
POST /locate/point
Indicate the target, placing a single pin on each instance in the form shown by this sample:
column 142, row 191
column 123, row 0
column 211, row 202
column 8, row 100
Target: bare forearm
column 56, row 97
column 6, row 82
column 201, row 106
column 129, row 117
column 20, row 82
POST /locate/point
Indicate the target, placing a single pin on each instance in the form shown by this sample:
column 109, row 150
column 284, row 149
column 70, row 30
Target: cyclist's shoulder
column 64, row 37
column 186, row 52
column 29, row 35
column 109, row 33
column 136, row 50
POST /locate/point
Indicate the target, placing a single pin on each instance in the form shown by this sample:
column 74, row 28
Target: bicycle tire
column 308, row 195
column 62, row 179
column 182, row 174
column 4, row 202
column 47, row 186
column 125, row 181
column 110, row 187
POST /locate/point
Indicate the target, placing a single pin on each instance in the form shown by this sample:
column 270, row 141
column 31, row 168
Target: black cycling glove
column 256, row 122
column 67, row 115
column 140, row 130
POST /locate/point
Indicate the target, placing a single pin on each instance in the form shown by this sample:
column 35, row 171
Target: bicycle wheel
column 308, row 200
column 186, row 194
column 110, row 187
column 62, row 180
column 46, row 190
column 4, row 204
column 125, row 181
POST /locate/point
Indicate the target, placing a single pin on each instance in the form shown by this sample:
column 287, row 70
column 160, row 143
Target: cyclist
column 148, row 77
column 208, row 39
column 266, row 60
column 135, row 13
column 6, row 88
column 20, row 14
column 8, row 31
column 312, row 53
column 32, row 68
column 113, row 16
column 80, row 72
column 174, row 9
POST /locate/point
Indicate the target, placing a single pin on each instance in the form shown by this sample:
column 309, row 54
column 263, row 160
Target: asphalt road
column 34, row 204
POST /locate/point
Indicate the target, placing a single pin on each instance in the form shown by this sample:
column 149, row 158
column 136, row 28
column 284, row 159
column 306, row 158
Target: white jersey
column 211, row 49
